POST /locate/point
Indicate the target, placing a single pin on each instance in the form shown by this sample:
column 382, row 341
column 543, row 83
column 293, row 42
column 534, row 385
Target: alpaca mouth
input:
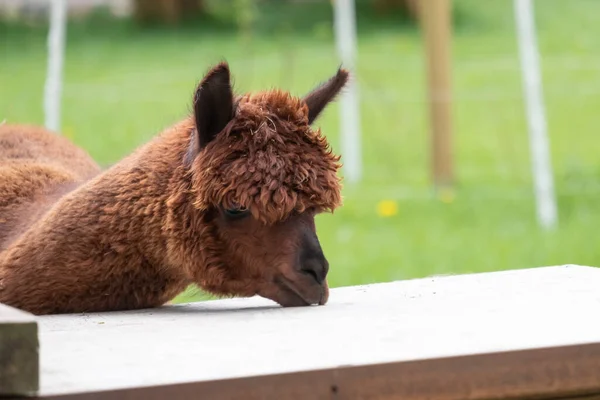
column 293, row 296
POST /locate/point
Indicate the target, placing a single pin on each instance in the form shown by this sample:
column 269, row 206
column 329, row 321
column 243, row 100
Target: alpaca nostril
column 312, row 273
column 316, row 268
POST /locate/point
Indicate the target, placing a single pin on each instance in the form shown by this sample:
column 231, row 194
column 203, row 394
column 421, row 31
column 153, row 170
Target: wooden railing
column 531, row 333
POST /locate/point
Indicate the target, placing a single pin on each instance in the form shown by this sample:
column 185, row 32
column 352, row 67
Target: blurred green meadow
column 124, row 83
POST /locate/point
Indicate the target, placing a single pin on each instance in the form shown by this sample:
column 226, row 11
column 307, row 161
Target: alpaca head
column 259, row 175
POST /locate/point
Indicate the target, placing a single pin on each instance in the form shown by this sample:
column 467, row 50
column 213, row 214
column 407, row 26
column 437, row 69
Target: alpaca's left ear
column 213, row 104
column 318, row 99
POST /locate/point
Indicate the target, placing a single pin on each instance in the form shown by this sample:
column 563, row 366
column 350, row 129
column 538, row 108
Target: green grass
column 123, row 84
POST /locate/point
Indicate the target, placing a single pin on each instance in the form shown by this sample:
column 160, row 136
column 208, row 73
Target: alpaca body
column 101, row 246
column 36, row 168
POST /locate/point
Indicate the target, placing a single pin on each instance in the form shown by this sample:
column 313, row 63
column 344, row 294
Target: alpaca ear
column 213, row 104
column 318, row 99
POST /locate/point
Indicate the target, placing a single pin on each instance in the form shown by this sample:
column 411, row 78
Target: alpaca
column 36, row 167
column 226, row 199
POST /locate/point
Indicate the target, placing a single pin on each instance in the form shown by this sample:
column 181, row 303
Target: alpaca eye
column 236, row 212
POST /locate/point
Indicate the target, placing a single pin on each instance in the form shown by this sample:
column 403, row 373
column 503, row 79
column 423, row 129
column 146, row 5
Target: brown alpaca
column 36, row 167
column 225, row 199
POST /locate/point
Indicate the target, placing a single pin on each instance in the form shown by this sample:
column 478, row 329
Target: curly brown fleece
column 224, row 199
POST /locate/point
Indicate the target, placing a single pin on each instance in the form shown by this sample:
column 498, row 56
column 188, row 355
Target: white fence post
column 56, row 49
column 345, row 36
column 538, row 140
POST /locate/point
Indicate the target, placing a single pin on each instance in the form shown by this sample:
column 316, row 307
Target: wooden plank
column 19, row 358
column 513, row 334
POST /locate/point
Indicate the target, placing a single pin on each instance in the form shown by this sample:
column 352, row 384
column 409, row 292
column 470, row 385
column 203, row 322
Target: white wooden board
column 382, row 324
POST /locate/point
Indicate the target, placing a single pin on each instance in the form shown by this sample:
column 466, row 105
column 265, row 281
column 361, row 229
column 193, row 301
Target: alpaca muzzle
column 299, row 292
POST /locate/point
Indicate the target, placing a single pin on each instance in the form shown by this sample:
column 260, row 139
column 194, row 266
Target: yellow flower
column 387, row 208
column 446, row 195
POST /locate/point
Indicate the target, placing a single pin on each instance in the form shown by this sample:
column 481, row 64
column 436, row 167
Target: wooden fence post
column 436, row 23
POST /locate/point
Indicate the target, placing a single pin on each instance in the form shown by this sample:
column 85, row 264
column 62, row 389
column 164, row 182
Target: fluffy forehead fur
column 268, row 160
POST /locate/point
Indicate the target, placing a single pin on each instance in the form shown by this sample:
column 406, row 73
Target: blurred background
column 131, row 66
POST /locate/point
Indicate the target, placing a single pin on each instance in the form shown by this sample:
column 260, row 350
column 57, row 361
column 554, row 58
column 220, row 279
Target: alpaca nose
column 312, row 259
column 316, row 267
